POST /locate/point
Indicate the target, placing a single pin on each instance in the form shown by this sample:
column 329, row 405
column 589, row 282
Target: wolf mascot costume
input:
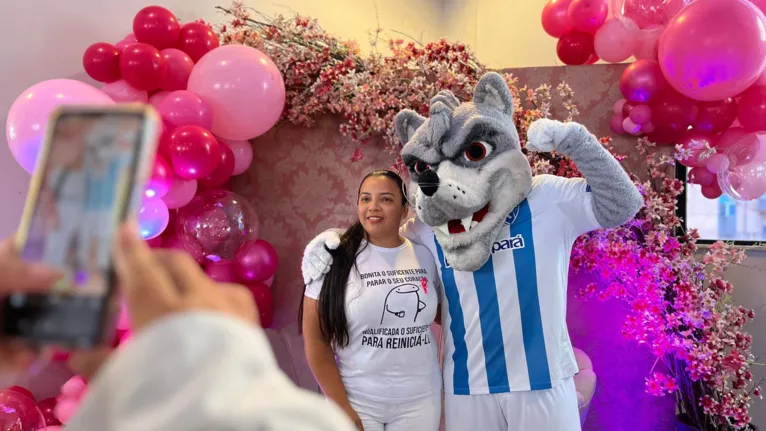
column 502, row 240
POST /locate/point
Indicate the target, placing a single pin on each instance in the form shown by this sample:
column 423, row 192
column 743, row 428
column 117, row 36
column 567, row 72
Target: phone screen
column 86, row 186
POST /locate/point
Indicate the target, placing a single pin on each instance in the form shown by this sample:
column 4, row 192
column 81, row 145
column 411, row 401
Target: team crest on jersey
column 510, row 218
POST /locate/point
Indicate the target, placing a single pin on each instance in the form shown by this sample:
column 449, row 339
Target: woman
column 366, row 325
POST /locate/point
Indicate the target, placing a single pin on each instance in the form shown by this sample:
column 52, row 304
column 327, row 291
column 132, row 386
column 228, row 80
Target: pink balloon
column 243, row 87
column 631, row 127
column 160, row 180
column 243, row 155
column 587, row 15
column 187, row 243
column 122, row 92
column 616, row 124
column 256, row 261
column 642, row 81
column 616, row 40
column 713, row 164
column 751, row 110
column 28, row 117
column 184, row 108
column 554, row 18
column 743, row 172
column 712, row 191
column 728, row 138
column 648, row 43
column 270, row 281
column 701, row 176
column 130, row 39
column 647, row 128
column 153, row 217
column 641, row 114
column 618, row 106
column 181, row 193
column 157, row 98
column 714, row 49
column 222, row 271
column 179, row 69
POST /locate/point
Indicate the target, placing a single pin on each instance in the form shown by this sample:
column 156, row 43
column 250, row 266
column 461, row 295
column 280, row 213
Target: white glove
column 316, row 257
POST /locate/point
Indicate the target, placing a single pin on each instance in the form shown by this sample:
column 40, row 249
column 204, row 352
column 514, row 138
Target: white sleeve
column 314, row 288
column 200, row 370
column 415, row 231
column 573, row 197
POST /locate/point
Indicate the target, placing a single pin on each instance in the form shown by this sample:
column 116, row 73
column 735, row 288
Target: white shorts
column 546, row 410
column 422, row 414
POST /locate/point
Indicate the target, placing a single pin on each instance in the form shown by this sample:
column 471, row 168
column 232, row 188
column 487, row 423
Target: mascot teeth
column 443, row 228
column 466, row 222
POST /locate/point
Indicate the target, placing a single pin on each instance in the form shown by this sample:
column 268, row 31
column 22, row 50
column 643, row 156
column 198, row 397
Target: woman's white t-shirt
column 391, row 300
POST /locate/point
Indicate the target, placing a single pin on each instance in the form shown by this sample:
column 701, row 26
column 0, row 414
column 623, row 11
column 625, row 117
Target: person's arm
column 200, row 370
column 321, row 359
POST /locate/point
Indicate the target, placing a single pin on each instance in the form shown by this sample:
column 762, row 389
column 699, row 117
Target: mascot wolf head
column 466, row 167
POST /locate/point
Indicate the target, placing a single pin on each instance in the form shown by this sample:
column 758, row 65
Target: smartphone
column 89, row 177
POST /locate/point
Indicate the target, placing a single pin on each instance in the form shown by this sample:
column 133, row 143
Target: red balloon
column 587, row 15
column 642, row 81
column 715, row 117
column 751, row 110
column 672, row 114
column 194, row 152
column 575, row 48
column 156, row 26
column 102, row 62
column 263, row 299
column 197, row 39
column 161, row 179
column 223, row 171
column 728, row 138
column 555, row 21
column 47, row 406
column 23, row 391
column 179, row 69
column 256, row 260
column 697, row 144
column 712, row 191
column 143, row 67
column 222, row 271
column 163, row 145
column 700, row 176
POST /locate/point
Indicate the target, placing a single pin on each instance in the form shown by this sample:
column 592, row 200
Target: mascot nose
column 428, row 182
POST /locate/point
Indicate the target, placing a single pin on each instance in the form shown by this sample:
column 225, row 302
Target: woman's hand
column 354, row 417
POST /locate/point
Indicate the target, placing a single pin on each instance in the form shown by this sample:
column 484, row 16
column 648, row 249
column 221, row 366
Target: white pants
column 422, row 414
column 546, row 410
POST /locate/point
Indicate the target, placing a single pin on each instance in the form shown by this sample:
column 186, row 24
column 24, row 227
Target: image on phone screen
column 74, row 220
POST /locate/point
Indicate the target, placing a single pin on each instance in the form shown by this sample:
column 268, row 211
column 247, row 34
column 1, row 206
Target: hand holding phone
column 89, row 177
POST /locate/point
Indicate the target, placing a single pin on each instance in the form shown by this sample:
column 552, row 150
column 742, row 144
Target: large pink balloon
column 243, row 87
column 714, row 49
column 181, row 193
column 184, row 108
column 28, row 117
column 122, row 92
column 616, row 40
column 243, row 155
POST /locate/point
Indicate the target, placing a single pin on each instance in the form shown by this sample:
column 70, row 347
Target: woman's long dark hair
column 331, row 307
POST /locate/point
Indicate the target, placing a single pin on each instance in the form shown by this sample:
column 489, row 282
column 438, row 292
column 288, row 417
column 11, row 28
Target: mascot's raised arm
column 502, row 239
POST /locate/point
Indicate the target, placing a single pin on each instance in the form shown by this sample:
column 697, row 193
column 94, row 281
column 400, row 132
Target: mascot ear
column 406, row 122
column 492, row 90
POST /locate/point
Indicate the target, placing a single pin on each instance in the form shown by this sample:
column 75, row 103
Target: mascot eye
column 420, row 167
column 477, row 151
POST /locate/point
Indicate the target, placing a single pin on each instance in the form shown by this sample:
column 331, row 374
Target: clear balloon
column 153, row 217
column 646, row 13
column 714, row 49
column 28, row 117
column 122, row 92
column 243, row 87
column 243, row 155
column 181, row 193
column 19, row 412
column 220, row 221
column 742, row 172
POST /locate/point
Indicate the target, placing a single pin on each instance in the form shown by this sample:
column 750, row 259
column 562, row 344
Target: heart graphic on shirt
column 424, row 284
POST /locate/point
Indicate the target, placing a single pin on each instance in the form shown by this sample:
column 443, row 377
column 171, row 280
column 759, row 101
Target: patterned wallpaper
column 302, row 182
